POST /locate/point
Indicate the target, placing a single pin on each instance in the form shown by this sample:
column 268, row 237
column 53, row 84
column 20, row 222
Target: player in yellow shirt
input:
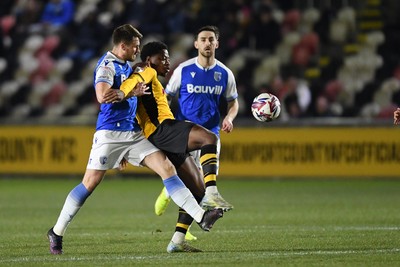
column 175, row 138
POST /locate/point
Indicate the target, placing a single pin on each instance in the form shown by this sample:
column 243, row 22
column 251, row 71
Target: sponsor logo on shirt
column 202, row 89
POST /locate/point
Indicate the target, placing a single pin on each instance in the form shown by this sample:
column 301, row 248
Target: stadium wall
column 343, row 151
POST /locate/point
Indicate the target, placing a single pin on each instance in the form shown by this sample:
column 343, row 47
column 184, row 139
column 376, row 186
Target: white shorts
column 109, row 147
column 196, row 155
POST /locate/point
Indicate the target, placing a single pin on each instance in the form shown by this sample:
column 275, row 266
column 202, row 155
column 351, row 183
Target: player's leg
column 191, row 176
column 179, row 193
column 110, row 143
column 74, row 201
column 208, row 142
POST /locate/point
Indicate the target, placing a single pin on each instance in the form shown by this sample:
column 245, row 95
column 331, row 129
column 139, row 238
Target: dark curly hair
column 151, row 49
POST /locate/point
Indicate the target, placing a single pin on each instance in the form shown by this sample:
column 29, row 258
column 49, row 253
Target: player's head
column 206, row 40
column 126, row 41
column 156, row 53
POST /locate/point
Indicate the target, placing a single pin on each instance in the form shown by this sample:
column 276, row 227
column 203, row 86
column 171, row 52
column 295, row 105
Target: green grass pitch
column 274, row 223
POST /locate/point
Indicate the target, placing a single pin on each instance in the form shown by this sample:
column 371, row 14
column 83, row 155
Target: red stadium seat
column 291, row 20
column 46, row 65
column 311, row 42
column 300, row 55
column 332, row 89
column 7, row 23
column 50, row 43
column 55, row 94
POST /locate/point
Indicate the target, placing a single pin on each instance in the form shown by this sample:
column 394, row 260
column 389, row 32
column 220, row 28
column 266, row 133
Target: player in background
column 201, row 82
column 396, row 116
column 119, row 136
column 176, row 138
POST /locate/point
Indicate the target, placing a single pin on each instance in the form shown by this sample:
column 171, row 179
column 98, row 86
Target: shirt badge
column 217, row 76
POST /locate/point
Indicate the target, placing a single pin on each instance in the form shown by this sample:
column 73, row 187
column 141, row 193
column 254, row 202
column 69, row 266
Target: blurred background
column 322, row 58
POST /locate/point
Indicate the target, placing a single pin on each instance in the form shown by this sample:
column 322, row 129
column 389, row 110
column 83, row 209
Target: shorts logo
column 217, row 76
column 103, row 160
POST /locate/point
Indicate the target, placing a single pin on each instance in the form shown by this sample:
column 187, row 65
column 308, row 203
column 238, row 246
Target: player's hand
column 396, row 116
column 139, row 90
column 113, row 96
column 227, row 125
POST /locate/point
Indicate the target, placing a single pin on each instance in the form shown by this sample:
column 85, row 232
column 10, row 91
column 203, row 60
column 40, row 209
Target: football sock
column 208, row 161
column 73, row 203
column 182, row 226
column 212, row 189
column 178, row 237
column 182, row 197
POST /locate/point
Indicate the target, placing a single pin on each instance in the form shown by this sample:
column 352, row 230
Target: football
column 266, row 107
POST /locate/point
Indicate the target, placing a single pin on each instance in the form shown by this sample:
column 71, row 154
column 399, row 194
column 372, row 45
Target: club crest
column 217, row 76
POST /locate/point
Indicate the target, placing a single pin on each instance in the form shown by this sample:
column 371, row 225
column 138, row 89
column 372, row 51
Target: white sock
column 68, row 212
column 213, row 189
column 178, row 237
column 182, row 197
column 73, row 203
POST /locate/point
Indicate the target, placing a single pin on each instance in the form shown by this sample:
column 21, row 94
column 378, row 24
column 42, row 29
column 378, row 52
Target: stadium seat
column 75, row 89
column 9, row 88
column 7, row 23
column 332, row 90
column 21, row 111
column 237, row 61
column 46, row 65
column 386, row 112
column 55, row 94
column 90, row 109
column 369, row 110
column 54, row 111
column 27, row 64
column 301, row 55
column 39, row 90
column 266, row 71
column 62, row 66
column 291, row 21
column 311, row 42
column 3, row 64
column 50, row 43
column 33, row 43
column 309, row 17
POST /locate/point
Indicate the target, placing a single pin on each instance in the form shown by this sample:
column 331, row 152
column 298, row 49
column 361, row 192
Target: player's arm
column 130, row 84
column 104, row 79
column 227, row 122
column 105, row 94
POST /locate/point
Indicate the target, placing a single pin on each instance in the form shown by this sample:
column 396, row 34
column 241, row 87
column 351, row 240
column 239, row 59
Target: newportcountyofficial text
column 286, row 152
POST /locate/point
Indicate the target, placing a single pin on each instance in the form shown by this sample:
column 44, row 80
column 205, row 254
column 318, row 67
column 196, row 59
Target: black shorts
column 172, row 137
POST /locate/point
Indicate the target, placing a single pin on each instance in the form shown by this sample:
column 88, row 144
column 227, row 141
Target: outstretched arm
column 233, row 109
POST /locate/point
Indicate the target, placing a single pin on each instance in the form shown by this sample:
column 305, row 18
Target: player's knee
column 212, row 138
column 168, row 168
